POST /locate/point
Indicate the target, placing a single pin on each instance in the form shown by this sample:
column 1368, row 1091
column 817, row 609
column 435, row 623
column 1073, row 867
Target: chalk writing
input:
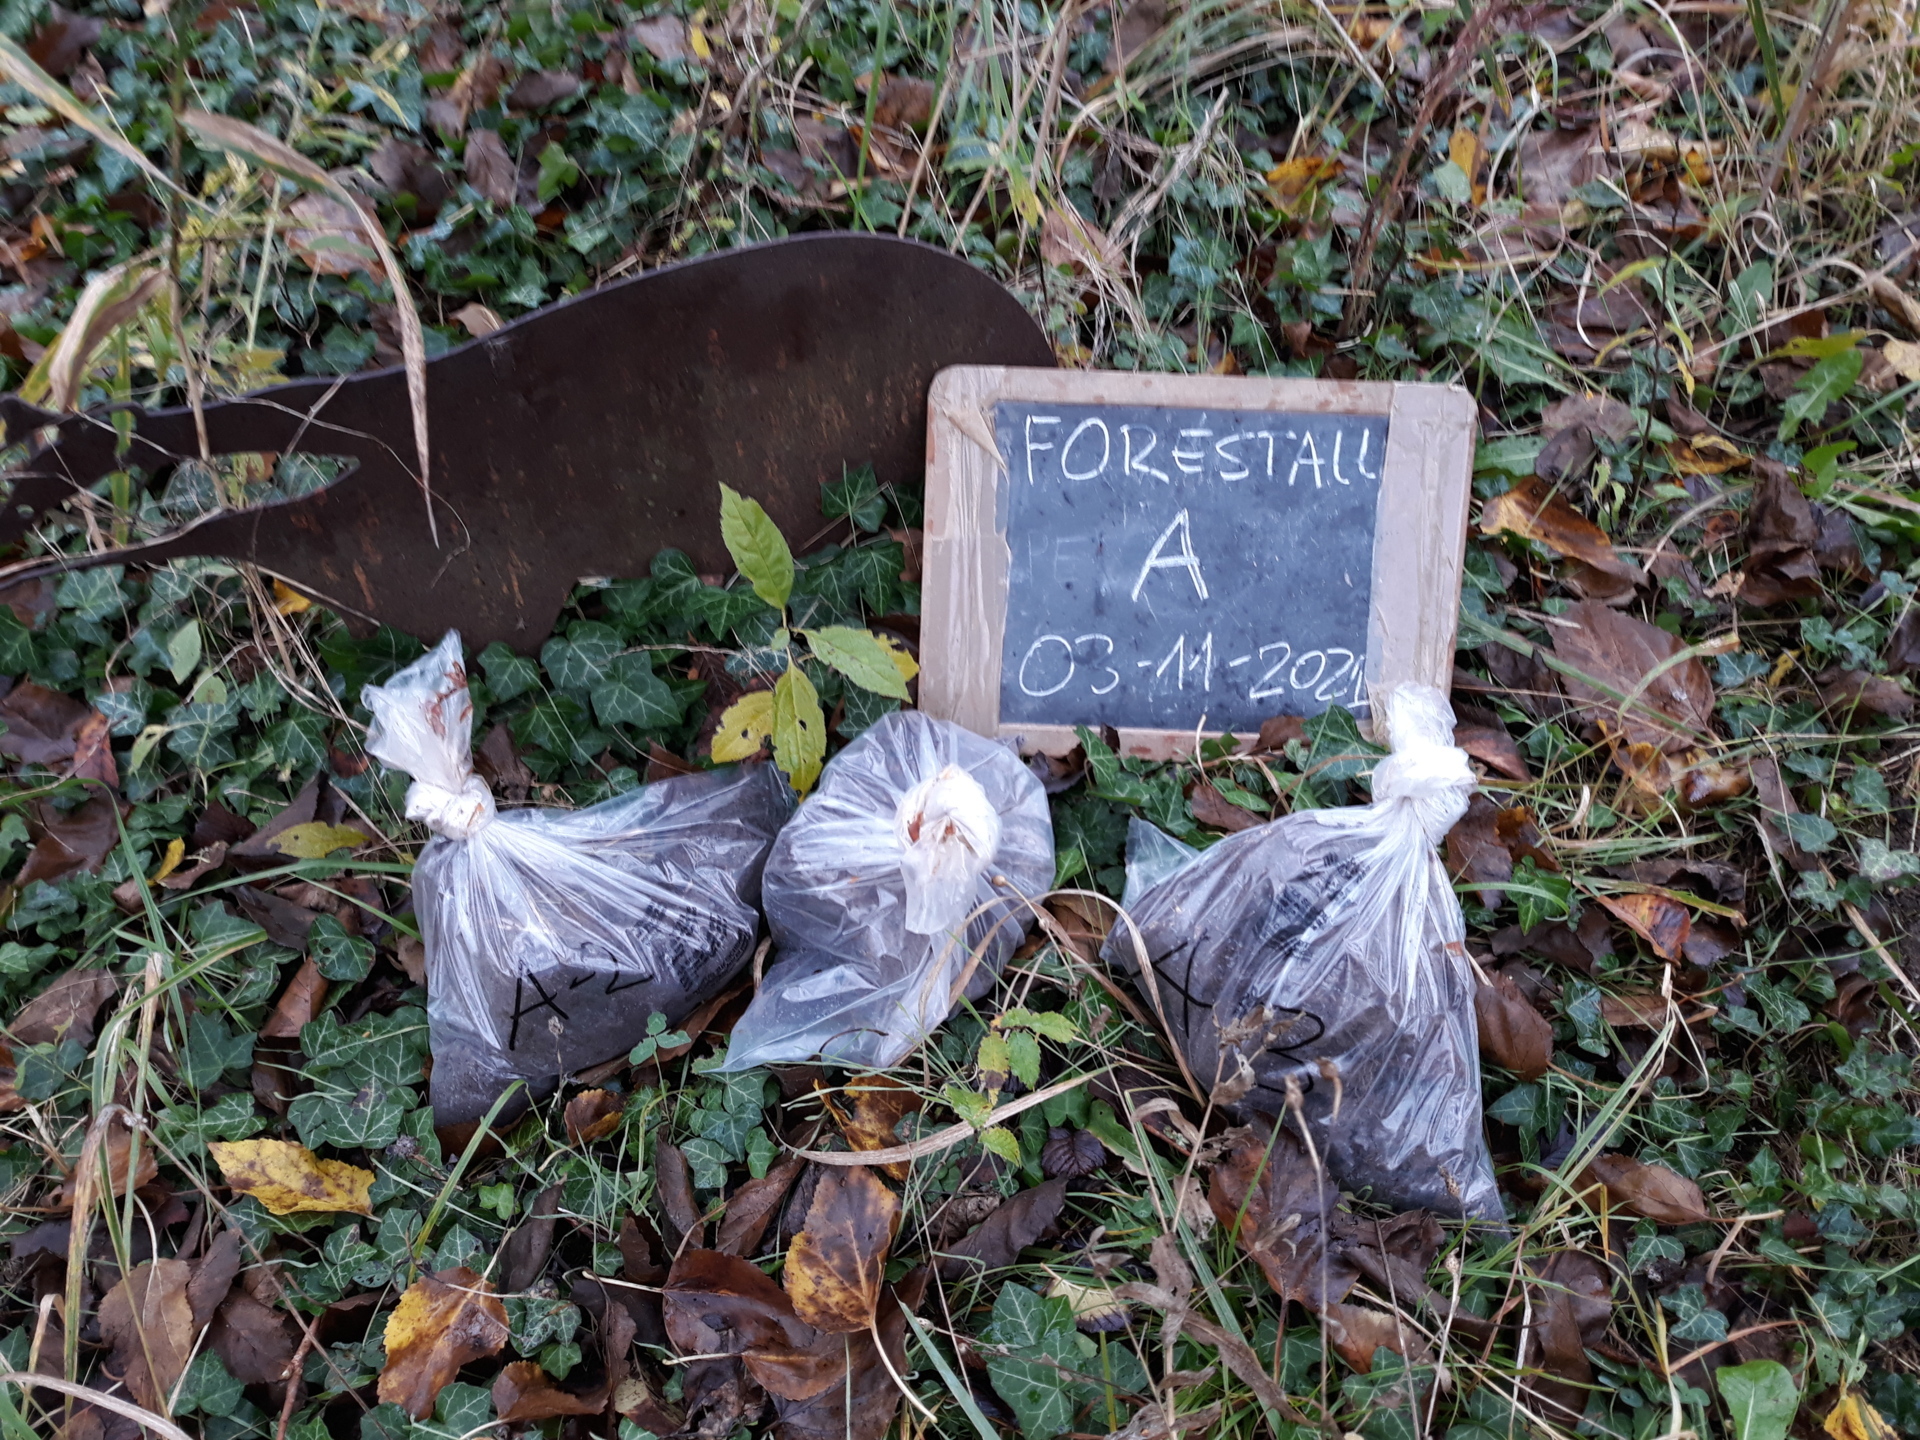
column 1172, row 564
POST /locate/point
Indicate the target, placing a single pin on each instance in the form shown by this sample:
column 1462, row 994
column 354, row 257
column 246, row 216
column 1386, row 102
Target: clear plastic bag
column 553, row 935
column 918, row 828
column 1332, row 937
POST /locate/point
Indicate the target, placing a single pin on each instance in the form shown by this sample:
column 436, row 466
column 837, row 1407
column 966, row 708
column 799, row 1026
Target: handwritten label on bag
column 1170, row 565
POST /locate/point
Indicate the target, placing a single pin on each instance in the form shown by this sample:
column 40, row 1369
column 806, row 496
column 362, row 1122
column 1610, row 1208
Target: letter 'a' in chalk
column 1178, row 556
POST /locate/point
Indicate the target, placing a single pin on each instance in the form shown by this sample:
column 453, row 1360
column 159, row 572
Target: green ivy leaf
column 366, row 1118
column 183, row 652
column 799, row 729
column 629, row 693
column 856, row 497
column 859, row 656
column 212, row 1050
column 758, row 548
column 1812, row 833
column 1826, row 382
column 509, row 676
column 338, row 955
column 579, row 662
column 557, row 172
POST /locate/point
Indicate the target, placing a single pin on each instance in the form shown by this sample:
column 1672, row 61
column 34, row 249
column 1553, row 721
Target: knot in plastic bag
column 1426, row 769
column 949, row 831
column 457, row 814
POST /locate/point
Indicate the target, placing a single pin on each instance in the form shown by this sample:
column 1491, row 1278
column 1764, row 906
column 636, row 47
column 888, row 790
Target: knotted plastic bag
column 552, row 935
column 1326, row 950
column 905, row 874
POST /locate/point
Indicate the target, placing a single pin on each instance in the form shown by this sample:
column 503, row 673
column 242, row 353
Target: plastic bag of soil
column 1326, row 950
column 553, row 935
column 901, row 884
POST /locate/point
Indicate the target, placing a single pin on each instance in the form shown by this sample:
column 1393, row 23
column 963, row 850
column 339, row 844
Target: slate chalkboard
column 1178, row 554
column 1173, row 568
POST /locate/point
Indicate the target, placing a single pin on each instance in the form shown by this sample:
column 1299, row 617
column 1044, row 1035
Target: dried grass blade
column 20, row 69
column 239, row 138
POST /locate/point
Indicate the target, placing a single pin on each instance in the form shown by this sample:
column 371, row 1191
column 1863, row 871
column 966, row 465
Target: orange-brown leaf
column 523, row 1392
column 1661, row 922
column 1513, row 1034
column 837, row 1263
column 148, row 1322
column 592, row 1115
column 444, row 1321
column 1533, row 510
column 1652, row 1192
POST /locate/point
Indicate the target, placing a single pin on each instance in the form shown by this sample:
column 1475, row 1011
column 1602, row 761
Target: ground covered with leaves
column 1672, row 250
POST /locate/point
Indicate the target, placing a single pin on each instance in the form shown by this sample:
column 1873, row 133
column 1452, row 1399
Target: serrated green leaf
column 1049, row 1023
column 1025, row 1052
column 1002, row 1142
column 858, row 655
column 799, row 729
column 758, row 548
column 1826, row 382
column 994, row 1057
column 629, row 693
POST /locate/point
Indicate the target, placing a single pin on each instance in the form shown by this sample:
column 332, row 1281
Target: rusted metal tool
column 576, row 441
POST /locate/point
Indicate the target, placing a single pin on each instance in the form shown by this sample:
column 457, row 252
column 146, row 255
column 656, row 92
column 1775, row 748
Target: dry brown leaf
column 524, row 1393
column 1493, row 747
column 443, row 1321
column 148, row 1322
column 673, row 1183
column 65, row 1009
column 1008, row 1229
column 879, row 1105
column 1782, row 534
column 837, row 1262
column 1357, row 1331
column 1068, row 238
column 1861, row 691
column 859, row 1398
column 253, row 1340
column 477, row 320
column 328, row 237
column 1652, row 1192
column 1278, row 1207
column 490, row 170
column 1617, row 656
column 1662, row 922
column 592, row 1115
column 289, row 1178
column 1533, row 510
column 124, row 1169
column 753, row 1205
column 1475, row 853
column 1213, row 809
column 1572, row 1304
column 716, row 1304
column 71, row 841
column 1513, row 1034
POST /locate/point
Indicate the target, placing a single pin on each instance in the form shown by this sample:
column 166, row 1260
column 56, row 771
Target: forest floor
column 1673, row 250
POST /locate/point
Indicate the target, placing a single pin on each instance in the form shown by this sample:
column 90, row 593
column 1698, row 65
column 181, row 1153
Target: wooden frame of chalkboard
column 1407, row 540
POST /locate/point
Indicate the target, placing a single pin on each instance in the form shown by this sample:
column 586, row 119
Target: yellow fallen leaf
column 289, row 601
column 316, row 840
column 897, row 652
column 1854, row 1419
column 444, row 1321
column 170, row 862
column 744, row 727
column 1291, row 178
column 1904, row 357
column 288, row 1178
